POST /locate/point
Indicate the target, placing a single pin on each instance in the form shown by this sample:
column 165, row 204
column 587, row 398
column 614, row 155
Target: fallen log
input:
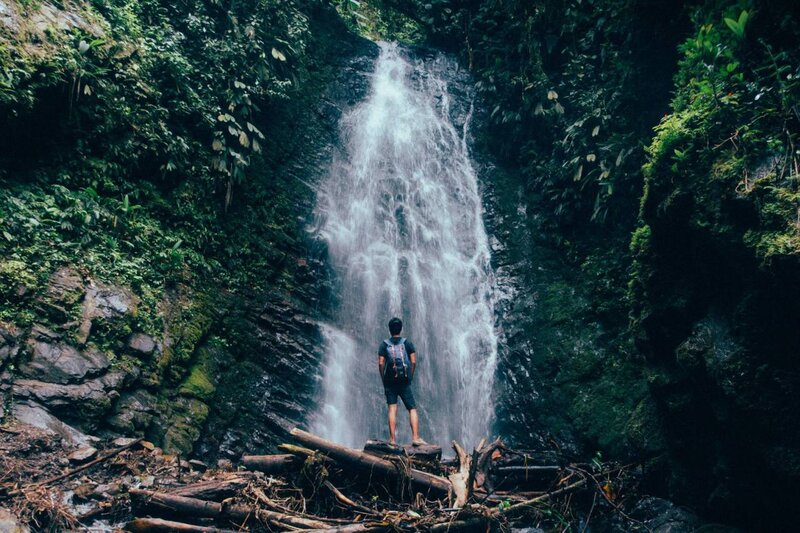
column 242, row 513
column 425, row 452
column 194, row 508
column 353, row 528
column 156, row 525
column 216, row 490
column 365, row 461
column 271, row 464
column 181, row 505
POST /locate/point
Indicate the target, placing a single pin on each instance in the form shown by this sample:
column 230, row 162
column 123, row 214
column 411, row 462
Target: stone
column 65, row 286
column 10, row 523
column 83, row 492
column 8, row 17
column 42, row 333
column 108, row 301
column 82, row 455
column 62, row 363
column 103, row 491
column 9, row 347
column 134, row 412
column 37, row 416
column 226, row 465
column 198, row 465
column 123, row 441
column 104, row 302
column 85, row 402
column 663, row 516
column 142, row 344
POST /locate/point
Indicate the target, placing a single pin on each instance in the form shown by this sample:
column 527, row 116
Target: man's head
column 395, row 326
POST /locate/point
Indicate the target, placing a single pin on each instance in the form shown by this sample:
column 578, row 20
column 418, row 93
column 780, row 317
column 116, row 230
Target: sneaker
column 418, row 442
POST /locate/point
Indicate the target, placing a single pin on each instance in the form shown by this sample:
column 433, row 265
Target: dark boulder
column 62, row 363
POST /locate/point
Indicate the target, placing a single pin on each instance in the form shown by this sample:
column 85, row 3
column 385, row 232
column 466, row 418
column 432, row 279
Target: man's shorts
column 393, row 390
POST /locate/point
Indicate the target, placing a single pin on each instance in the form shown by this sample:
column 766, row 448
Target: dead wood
column 155, row 525
column 364, row 461
column 460, row 479
column 181, row 505
column 70, row 473
column 194, row 508
column 425, row 452
column 468, row 524
column 215, row 490
column 242, row 513
column 271, row 464
column 344, row 500
column 527, row 504
column 353, row 528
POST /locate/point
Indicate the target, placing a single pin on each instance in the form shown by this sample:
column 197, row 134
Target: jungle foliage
column 140, row 138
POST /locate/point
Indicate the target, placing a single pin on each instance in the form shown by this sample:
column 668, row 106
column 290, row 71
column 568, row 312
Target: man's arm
column 413, row 357
column 381, row 363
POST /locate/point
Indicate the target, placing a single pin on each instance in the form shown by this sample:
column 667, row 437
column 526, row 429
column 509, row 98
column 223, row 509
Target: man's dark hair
column 395, row 326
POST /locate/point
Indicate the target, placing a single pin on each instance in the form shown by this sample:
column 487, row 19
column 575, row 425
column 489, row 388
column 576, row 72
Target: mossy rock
column 184, row 424
column 197, row 385
column 643, row 429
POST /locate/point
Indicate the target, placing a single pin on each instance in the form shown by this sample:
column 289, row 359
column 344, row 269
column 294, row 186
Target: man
column 397, row 361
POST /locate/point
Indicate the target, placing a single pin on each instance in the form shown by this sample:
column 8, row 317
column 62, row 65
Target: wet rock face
column 61, row 383
column 276, row 343
column 62, row 363
column 268, row 393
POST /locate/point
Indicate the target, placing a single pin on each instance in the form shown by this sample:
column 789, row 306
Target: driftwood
column 271, row 464
column 156, row 525
column 370, row 463
column 461, row 480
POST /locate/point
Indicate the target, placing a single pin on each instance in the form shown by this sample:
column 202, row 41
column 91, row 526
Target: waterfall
column 401, row 214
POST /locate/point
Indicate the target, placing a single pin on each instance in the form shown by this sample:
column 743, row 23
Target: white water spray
column 402, row 217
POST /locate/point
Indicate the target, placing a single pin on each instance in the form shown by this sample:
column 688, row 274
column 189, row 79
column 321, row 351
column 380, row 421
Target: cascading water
column 402, row 217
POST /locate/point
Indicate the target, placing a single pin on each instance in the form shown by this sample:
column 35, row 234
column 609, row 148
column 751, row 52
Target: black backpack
column 398, row 363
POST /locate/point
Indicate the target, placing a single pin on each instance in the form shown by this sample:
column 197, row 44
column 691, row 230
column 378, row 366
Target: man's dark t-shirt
column 382, row 351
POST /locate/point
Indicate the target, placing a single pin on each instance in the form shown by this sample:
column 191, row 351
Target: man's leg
column 392, row 422
column 414, row 419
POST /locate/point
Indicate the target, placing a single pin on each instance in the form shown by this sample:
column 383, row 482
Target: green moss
column 187, row 416
column 15, row 279
column 197, row 384
column 643, row 429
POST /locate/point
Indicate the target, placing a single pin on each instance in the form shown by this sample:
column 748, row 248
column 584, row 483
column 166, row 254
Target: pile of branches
column 317, row 485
